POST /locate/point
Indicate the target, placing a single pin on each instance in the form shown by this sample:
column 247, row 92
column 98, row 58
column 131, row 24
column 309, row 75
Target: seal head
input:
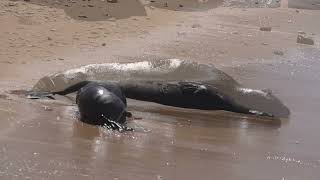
column 97, row 105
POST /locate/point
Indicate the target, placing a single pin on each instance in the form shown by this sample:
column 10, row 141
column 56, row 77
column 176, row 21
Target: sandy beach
column 41, row 139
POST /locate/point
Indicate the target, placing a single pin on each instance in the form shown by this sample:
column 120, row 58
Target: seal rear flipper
column 193, row 88
column 261, row 101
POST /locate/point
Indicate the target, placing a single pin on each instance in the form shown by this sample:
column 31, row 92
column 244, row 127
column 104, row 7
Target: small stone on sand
column 3, row 96
column 265, row 29
column 12, row 4
column 302, row 39
column 47, row 108
column 278, row 52
column 196, row 26
column 82, row 16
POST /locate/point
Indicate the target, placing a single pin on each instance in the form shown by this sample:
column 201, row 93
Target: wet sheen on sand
column 173, row 143
column 44, row 140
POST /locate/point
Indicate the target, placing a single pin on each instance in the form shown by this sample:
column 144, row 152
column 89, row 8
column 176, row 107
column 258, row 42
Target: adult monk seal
column 109, row 98
column 171, row 82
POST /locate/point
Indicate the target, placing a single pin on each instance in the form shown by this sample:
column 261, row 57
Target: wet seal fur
column 184, row 94
column 101, row 104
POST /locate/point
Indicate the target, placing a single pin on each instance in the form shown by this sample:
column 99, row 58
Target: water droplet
column 47, row 108
column 204, row 149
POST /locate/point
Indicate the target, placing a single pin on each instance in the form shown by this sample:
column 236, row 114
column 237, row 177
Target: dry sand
column 41, row 140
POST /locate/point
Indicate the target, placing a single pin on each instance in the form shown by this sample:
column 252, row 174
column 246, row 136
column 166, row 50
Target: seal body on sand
column 173, row 82
column 193, row 95
column 94, row 99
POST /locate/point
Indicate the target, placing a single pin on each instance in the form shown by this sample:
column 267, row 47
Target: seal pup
column 101, row 104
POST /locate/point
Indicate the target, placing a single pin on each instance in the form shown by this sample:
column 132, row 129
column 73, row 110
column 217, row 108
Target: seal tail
column 260, row 102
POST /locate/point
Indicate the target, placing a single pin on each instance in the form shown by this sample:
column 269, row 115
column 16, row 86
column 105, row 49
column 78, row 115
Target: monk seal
column 170, row 82
column 109, row 98
column 157, row 80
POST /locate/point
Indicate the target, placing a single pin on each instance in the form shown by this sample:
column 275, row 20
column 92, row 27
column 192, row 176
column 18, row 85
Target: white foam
column 143, row 65
column 248, row 91
column 174, row 63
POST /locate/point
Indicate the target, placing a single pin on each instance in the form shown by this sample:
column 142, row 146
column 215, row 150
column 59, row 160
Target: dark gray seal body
column 173, row 82
column 109, row 99
column 196, row 95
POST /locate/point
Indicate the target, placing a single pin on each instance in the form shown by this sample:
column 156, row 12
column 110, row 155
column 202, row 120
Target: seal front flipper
column 193, row 88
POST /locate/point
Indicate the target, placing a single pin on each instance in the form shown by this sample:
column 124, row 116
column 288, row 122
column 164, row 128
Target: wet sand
column 308, row 4
column 44, row 140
